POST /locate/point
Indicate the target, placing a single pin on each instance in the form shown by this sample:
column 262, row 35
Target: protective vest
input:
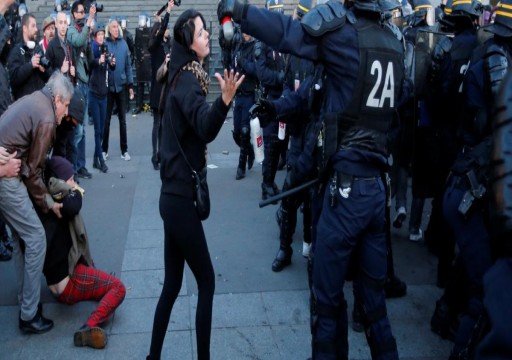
column 243, row 53
column 460, row 55
column 377, row 92
column 477, row 129
column 275, row 62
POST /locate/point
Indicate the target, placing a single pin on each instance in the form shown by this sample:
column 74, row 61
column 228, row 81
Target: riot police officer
column 497, row 343
column 270, row 68
column 142, row 61
column 465, row 201
column 446, row 102
column 297, row 71
column 364, row 73
column 243, row 61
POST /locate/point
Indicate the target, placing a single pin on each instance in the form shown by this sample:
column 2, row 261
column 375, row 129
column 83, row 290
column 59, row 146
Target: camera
column 162, row 9
column 103, row 48
column 88, row 3
column 99, row 7
column 43, row 60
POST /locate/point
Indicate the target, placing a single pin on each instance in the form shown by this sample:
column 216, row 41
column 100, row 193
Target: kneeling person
column 68, row 267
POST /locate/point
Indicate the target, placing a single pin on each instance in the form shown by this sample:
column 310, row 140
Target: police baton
column 287, row 193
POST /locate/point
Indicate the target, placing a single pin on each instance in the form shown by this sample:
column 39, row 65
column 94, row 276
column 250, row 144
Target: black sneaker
column 83, row 173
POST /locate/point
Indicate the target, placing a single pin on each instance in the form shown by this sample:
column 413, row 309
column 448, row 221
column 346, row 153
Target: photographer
column 81, row 56
column 98, row 90
column 26, row 63
column 5, row 38
column 159, row 48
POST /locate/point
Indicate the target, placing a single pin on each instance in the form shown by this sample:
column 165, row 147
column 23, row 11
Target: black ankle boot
column 96, row 163
column 282, row 260
column 240, row 173
column 103, row 167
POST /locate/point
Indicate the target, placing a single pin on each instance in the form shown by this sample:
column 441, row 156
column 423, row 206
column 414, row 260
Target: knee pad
column 338, row 344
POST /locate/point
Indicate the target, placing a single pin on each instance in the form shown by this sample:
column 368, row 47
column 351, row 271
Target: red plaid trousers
column 87, row 283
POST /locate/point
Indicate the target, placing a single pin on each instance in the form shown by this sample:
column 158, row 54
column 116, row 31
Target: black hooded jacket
column 189, row 119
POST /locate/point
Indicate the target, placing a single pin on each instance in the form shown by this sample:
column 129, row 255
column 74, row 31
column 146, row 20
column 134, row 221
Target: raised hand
column 229, row 84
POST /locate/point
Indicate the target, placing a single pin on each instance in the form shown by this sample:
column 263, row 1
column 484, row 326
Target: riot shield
column 142, row 55
column 426, row 41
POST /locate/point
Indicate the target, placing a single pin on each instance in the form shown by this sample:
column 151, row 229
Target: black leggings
column 184, row 241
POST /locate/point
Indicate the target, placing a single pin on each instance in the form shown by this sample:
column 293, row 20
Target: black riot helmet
column 424, row 10
column 275, row 5
column 392, row 11
column 472, row 8
column 502, row 25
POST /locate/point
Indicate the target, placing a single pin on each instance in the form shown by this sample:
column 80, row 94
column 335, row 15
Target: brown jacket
column 28, row 126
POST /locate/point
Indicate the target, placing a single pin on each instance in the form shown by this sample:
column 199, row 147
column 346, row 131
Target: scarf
column 200, row 74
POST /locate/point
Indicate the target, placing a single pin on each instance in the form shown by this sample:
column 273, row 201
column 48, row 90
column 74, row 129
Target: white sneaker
column 305, row 249
column 105, row 156
column 416, row 237
column 126, row 156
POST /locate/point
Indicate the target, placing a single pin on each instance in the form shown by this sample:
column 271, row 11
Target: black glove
column 265, row 111
column 223, row 43
column 230, row 8
column 291, row 181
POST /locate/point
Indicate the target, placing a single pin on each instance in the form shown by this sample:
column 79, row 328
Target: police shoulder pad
column 395, row 30
column 324, row 18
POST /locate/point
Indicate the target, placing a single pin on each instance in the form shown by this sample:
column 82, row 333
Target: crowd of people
column 353, row 98
column 80, row 68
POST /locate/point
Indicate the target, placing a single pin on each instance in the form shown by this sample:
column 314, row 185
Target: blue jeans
column 98, row 109
column 79, row 140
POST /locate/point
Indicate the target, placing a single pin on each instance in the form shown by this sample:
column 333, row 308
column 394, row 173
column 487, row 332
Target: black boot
column 394, row 287
column 250, row 158
column 242, row 159
column 245, row 144
column 282, row 260
column 287, row 222
column 103, row 167
column 96, row 163
column 267, row 191
column 443, row 322
column 240, row 173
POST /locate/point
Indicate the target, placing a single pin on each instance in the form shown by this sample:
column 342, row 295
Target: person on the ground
column 68, row 267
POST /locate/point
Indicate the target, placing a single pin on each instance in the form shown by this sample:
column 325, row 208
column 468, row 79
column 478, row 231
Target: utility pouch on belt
column 475, row 192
